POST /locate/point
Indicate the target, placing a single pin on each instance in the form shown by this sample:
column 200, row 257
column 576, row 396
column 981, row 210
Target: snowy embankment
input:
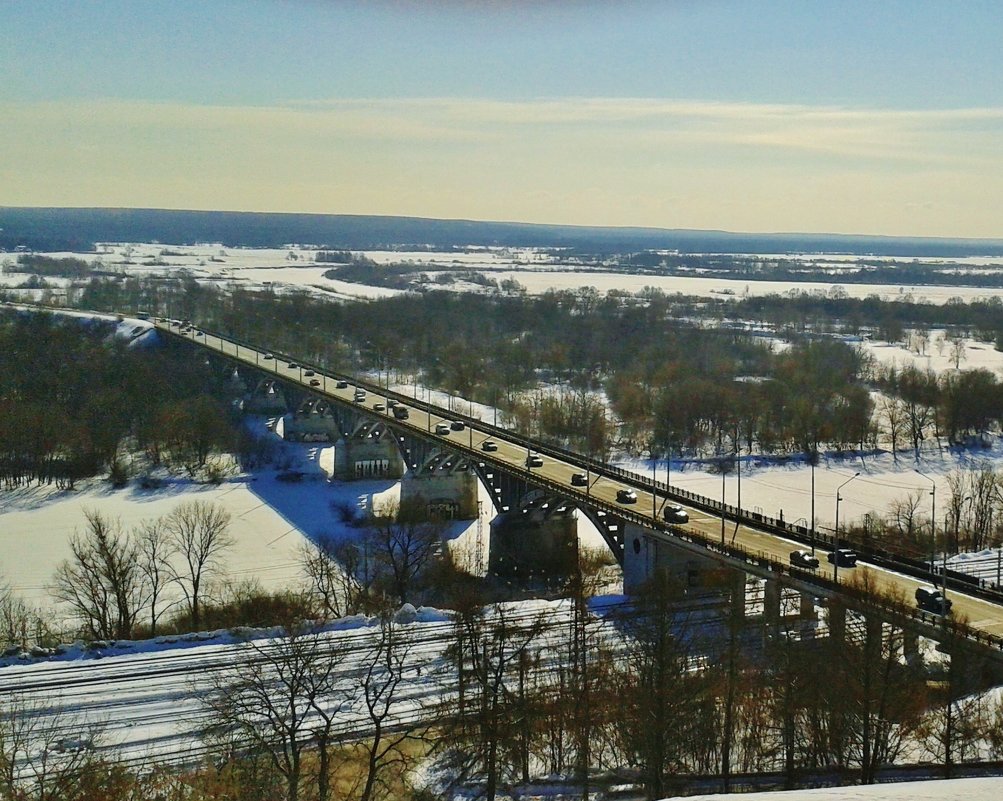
column 144, row 697
column 984, row 789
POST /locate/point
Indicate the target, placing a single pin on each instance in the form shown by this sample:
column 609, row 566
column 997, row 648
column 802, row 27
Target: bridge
column 510, row 464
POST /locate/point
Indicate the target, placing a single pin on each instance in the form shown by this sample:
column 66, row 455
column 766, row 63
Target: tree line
column 75, row 401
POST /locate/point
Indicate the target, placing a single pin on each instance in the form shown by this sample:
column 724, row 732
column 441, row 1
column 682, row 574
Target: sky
column 843, row 116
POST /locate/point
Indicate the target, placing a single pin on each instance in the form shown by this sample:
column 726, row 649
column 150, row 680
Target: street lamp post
column 933, row 522
column 814, row 458
column 722, row 500
column 835, row 550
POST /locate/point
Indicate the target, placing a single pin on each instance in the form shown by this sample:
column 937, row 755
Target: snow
column 144, row 695
column 538, row 282
column 981, row 789
column 295, row 266
column 936, row 355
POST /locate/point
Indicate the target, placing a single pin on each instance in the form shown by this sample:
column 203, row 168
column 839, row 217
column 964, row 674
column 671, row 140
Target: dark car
column 314, row 382
column 675, row 514
column 379, row 407
column 293, row 365
column 360, row 396
column 342, row 385
column 457, row 425
column 932, row 600
column 489, row 445
column 392, row 402
column 401, row 412
column 804, row 559
column 626, row 496
column 534, row 460
column 844, row 557
column 579, row 480
column 309, row 373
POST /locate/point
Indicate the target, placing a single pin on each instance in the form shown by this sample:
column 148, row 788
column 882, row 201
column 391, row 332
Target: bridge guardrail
column 912, row 567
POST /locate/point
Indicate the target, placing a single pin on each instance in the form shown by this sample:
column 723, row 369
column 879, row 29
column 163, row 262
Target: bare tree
column 328, row 582
column 154, row 549
column 280, row 698
column 102, row 582
column 405, row 539
column 45, row 755
column 384, row 748
column 896, row 424
column 199, row 532
column 487, row 726
column 21, row 624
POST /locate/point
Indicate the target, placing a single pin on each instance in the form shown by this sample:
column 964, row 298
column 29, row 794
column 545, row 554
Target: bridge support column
column 874, row 628
column 771, row 602
column 910, row 645
column 807, row 608
column 737, row 595
column 836, row 618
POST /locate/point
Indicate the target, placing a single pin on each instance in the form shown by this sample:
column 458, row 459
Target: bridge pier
column 836, row 619
column 910, row 646
column 771, row 602
column 807, row 608
column 447, row 484
column 370, row 451
column 539, row 538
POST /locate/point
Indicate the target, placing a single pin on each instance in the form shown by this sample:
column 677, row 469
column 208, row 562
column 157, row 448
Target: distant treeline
column 56, row 229
column 673, row 383
column 68, row 267
column 71, row 397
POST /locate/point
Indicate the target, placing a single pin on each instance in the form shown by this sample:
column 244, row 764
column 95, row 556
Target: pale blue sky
column 862, row 117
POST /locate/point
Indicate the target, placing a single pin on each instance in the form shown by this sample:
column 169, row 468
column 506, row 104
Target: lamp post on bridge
column 835, row 550
column 933, row 522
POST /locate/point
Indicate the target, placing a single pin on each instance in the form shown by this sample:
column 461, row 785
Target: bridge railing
column 869, row 552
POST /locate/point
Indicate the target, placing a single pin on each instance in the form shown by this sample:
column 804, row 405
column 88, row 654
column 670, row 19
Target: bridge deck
column 750, row 548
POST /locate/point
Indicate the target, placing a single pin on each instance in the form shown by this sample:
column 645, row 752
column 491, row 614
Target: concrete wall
column 643, row 555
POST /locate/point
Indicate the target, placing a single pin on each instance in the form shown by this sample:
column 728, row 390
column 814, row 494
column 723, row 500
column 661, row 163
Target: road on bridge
column 600, row 490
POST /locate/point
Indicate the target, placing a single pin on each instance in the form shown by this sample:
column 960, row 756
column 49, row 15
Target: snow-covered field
column 296, row 266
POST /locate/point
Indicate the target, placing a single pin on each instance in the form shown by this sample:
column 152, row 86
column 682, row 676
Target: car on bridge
column 930, row 599
column 675, row 514
column 534, row 460
column 360, row 395
column 457, row 425
column 309, row 373
column 314, row 382
column 293, row 365
column 843, row 557
column 442, row 428
column 489, row 445
column 342, row 384
column 392, row 402
column 626, row 496
column 267, row 357
column 379, row 407
column 401, row 412
column 579, row 480
column 804, row 559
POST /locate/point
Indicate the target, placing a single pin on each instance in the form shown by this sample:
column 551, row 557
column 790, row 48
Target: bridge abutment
column 646, row 556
